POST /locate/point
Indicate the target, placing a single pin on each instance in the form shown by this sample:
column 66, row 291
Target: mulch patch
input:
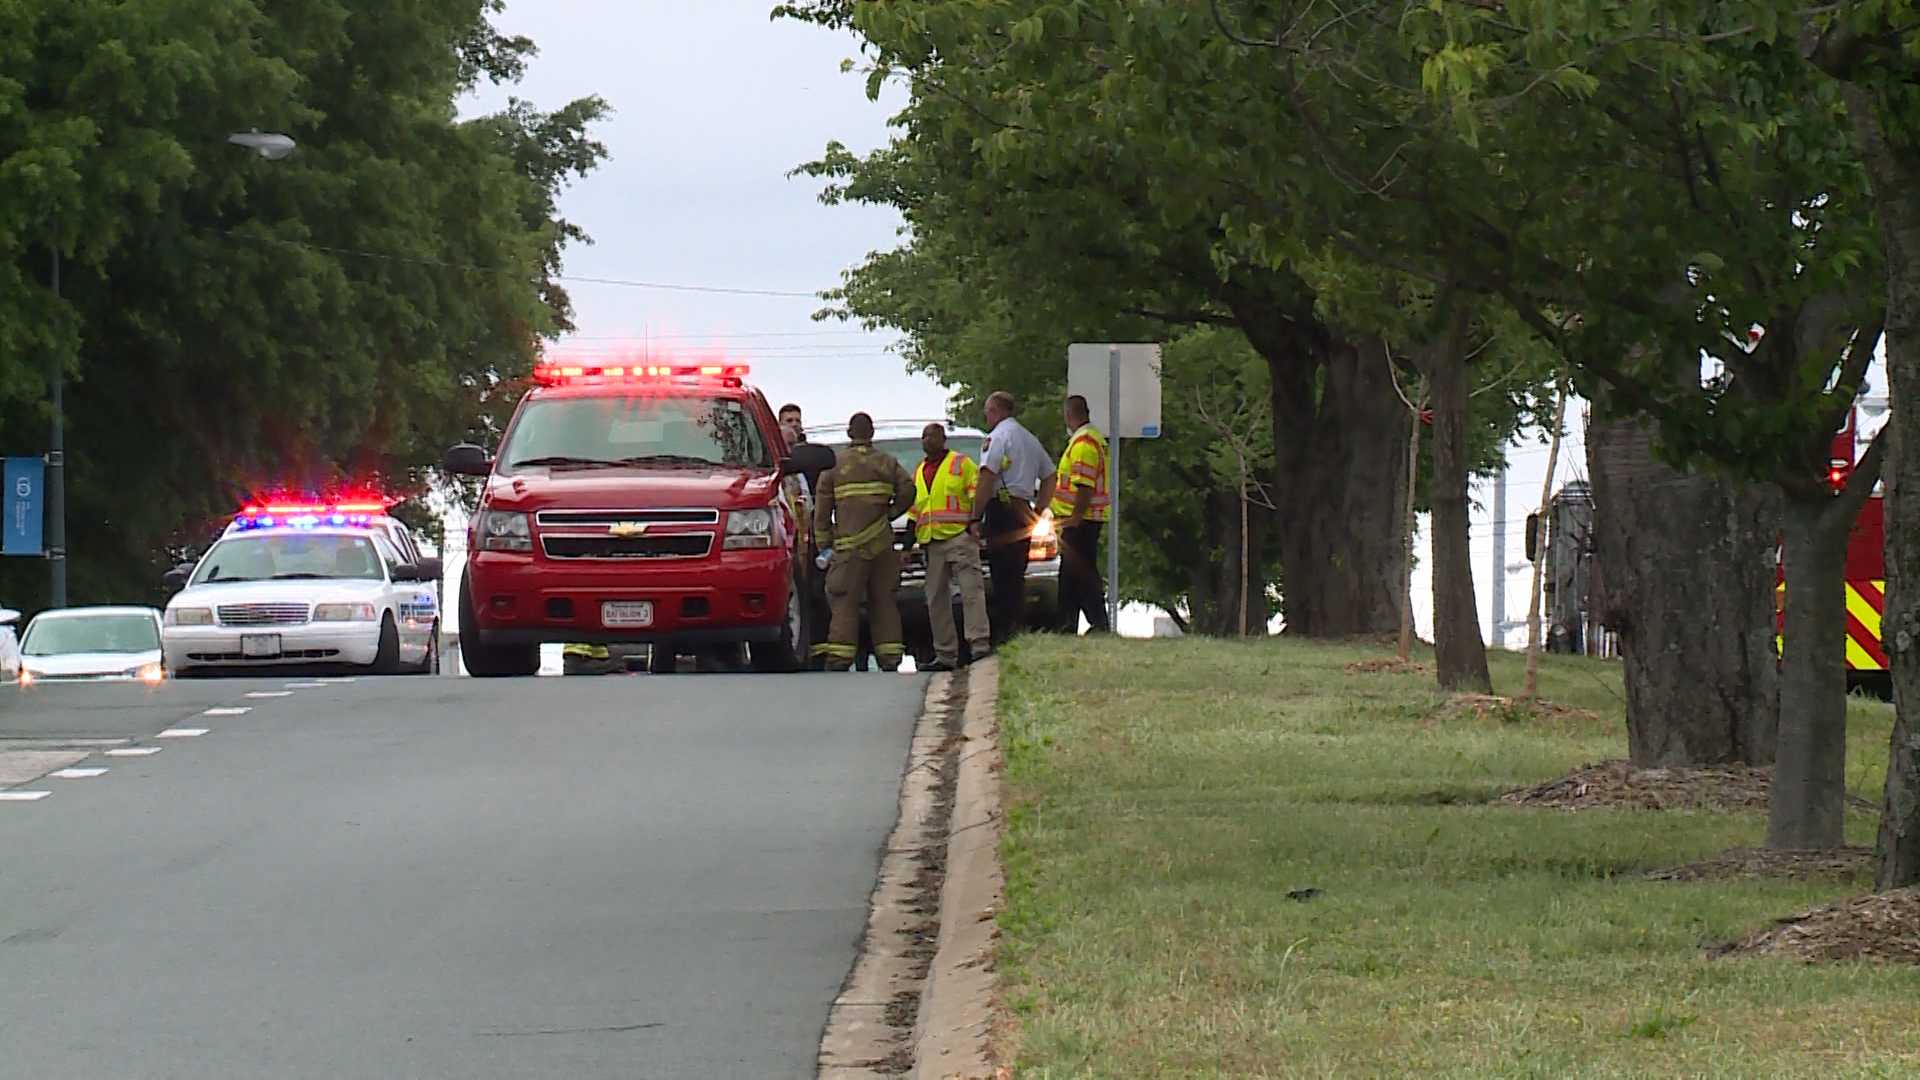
column 1851, row 862
column 1882, row 927
column 1619, row 785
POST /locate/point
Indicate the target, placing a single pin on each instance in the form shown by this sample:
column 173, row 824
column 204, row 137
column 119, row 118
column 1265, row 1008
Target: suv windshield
column 600, row 431
column 909, row 452
column 117, row 633
column 291, row 557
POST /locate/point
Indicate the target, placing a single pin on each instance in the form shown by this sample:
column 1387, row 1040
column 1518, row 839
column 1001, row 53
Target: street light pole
column 57, row 463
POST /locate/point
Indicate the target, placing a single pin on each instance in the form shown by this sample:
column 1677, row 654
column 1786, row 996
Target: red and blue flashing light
column 308, row 514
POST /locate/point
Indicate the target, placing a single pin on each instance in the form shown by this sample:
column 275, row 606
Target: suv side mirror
column 467, row 459
column 176, row 578
column 8, row 616
column 427, row 569
column 788, row 468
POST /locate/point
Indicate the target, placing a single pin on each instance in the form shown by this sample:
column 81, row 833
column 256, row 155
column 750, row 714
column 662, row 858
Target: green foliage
column 230, row 324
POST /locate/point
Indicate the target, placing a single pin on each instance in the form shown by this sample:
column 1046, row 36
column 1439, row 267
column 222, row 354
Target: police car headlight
column 147, row 673
column 343, row 613
column 749, row 529
column 505, row 530
column 189, row 616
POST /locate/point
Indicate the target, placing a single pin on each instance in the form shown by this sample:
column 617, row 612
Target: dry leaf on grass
column 1618, row 785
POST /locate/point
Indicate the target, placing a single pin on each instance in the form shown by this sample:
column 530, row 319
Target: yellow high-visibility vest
column 942, row 512
column 1082, row 465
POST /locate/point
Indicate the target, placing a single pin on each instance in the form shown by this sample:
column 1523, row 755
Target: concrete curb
column 953, row 1031
column 859, row 1040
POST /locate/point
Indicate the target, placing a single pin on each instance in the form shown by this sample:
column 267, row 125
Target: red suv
column 633, row 503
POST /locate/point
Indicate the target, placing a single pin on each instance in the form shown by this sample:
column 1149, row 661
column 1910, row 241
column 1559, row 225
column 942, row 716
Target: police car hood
column 722, row 487
column 286, row 591
column 76, row 665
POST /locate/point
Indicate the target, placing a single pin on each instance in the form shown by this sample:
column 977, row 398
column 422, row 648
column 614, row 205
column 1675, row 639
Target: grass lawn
column 1166, row 795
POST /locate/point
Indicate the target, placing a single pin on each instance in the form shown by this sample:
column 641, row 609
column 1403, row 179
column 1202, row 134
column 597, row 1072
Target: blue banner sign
column 25, row 506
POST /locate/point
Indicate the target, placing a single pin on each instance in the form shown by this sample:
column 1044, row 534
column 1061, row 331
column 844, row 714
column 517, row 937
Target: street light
column 268, row 144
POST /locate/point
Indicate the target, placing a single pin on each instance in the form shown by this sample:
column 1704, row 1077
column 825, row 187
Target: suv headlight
column 1045, row 543
column 749, row 529
column 505, row 530
column 189, row 616
column 343, row 613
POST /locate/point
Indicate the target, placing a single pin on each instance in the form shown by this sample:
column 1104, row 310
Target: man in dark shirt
column 810, row 460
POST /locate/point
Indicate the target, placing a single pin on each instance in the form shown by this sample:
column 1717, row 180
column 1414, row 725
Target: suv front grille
column 263, row 614
column 664, row 546
column 693, row 516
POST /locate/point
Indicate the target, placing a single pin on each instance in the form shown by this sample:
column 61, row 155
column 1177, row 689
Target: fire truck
column 1866, row 576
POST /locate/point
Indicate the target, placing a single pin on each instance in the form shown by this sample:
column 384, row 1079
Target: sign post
column 24, row 506
column 1121, row 383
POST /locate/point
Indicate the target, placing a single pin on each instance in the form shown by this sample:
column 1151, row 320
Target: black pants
column 1009, row 531
column 1081, row 592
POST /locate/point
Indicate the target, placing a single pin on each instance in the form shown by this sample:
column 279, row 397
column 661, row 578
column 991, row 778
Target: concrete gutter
column 919, row 1000
column 953, row 1033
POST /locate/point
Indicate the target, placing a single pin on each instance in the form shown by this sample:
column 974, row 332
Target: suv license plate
column 260, row 646
column 626, row 613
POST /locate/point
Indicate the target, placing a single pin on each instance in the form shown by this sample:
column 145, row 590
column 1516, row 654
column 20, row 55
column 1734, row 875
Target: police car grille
column 263, row 614
column 664, row 546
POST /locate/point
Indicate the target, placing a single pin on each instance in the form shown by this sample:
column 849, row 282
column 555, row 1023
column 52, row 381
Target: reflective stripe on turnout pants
column 873, row 578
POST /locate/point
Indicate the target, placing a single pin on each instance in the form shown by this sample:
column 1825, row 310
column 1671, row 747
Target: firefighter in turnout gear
column 853, row 514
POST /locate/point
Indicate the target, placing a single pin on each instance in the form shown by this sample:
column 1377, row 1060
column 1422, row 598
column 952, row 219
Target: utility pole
column 57, row 462
column 1498, row 639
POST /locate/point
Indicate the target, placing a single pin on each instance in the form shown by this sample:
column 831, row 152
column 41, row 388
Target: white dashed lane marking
column 77, row 774
column 229, row 710
column 135, row 751
column 270, row 693
column 305, row 685
column 23, row 796
column 182, row 733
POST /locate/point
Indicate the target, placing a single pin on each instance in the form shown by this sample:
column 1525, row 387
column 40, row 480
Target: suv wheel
column 485, row 660
column 787, row 653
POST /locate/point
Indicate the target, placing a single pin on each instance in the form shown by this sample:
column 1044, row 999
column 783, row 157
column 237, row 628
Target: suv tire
column 488, row 661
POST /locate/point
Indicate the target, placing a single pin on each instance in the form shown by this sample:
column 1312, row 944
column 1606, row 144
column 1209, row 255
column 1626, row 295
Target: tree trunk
column 1894, row 170
column 1530, row 687
column 1685, row 572
column 1460, row 656
column 1339, row 491
column 1808, row 806
column 1407, row 524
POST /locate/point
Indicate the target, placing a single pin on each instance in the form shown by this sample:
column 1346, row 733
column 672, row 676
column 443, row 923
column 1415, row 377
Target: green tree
column 229, row 324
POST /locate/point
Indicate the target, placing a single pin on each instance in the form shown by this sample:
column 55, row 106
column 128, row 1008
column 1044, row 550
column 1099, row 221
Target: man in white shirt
column 1012, row 466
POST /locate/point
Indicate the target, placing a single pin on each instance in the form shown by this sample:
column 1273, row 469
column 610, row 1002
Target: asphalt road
column 628, row 876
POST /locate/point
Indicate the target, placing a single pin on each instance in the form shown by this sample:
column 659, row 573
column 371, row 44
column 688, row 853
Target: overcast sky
column 713, row 104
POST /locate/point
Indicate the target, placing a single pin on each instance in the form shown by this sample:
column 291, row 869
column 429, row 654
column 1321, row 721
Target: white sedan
column 92, row 644
column 275, row 596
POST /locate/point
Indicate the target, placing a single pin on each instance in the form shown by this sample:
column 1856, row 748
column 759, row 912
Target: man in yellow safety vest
column 943, row 489
column 853, row 513
column 1077, row 498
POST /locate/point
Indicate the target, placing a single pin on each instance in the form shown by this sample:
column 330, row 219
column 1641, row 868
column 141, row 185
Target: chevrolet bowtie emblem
column 627, row 529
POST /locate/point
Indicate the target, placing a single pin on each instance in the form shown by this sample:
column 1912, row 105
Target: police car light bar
column 549, row 373
column 311, row 514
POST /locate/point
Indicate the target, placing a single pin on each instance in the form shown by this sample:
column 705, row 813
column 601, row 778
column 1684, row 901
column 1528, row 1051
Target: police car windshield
column 289, row 557
column 104, row 633
column 605, row 432
column 910, row 453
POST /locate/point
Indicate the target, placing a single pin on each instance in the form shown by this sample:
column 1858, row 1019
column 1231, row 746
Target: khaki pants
column 951, row 562
column 851, row 579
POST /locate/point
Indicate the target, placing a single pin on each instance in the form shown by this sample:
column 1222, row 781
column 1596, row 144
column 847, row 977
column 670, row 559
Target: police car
column 334, row 583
